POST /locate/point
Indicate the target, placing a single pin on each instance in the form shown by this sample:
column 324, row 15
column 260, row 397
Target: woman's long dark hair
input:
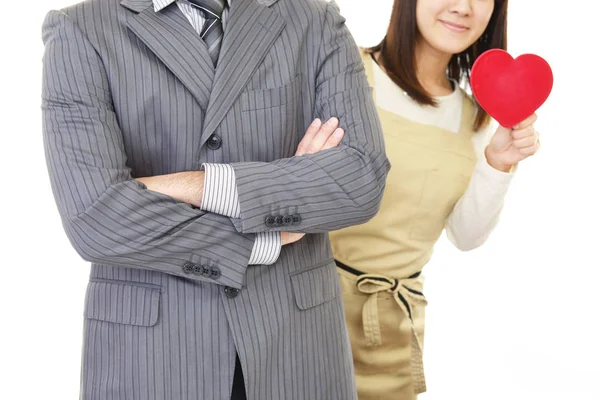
column 397, row 52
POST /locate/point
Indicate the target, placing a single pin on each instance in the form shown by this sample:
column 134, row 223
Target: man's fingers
column 290, row 237
column 335, row 139
column 312, row 130
column 322, row 136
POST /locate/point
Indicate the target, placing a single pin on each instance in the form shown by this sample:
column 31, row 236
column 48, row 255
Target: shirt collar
column 160, row 4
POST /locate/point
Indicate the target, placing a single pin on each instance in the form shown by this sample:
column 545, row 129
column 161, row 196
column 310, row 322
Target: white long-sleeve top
column 477, row 212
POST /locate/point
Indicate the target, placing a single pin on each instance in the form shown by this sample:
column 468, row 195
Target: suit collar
column 139, row 5
column 136, row 5
column 160, row 4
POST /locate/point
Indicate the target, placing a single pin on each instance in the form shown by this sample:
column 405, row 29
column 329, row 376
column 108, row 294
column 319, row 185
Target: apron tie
column 405, row 293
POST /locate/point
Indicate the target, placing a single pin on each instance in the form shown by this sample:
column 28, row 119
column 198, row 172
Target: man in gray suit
column 171, row 131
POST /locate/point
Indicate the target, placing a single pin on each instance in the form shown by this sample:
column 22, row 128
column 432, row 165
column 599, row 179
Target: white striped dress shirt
column 220, row 188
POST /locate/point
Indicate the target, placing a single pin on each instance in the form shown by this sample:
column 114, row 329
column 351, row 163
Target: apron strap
column 405, row 297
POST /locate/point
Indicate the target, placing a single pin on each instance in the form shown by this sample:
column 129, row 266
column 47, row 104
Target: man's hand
column 509, row 146
column 187, row 186
column 290, row 237
column 318, row 137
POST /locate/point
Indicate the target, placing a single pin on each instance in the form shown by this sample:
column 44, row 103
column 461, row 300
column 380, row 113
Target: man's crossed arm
column 188, row 186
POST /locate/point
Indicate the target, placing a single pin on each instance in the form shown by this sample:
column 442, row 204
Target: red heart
column 510, row 90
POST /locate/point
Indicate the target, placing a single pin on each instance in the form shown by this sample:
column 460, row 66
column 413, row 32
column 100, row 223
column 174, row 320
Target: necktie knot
column 213, row 9
column 212, row 30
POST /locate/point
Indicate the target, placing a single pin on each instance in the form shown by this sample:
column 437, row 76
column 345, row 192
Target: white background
column 515, row 319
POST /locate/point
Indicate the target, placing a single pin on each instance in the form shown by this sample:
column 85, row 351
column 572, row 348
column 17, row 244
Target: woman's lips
column 454, row 27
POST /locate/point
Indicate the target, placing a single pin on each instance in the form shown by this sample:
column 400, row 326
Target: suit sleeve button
column 296, row 219
column 270, row 221
column 215, row 273
column 188, row 267
column 197, row 269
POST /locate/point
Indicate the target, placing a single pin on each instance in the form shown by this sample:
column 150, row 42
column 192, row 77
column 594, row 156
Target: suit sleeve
column 108, row 216
column 331, row 189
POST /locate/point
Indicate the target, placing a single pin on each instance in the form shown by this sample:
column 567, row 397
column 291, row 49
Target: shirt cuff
column 267, row 247
column 492, row 174
column 220, row 194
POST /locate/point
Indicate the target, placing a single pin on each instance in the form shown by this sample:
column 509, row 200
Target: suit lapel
column 172, row 38
column 251, row 30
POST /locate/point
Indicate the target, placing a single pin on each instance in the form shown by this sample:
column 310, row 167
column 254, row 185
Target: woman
column 449, row 170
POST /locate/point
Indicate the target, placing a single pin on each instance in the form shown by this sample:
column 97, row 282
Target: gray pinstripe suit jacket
column 129, row 92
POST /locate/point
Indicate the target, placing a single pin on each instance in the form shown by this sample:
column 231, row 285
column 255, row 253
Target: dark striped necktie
column 212, row 31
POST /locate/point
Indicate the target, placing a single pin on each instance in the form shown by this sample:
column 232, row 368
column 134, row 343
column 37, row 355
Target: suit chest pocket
column 271, row 121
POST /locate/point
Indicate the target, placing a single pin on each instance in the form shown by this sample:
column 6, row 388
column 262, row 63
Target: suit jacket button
column 279, row 220
column 188, row 267
column 231, row 292
column 287, row 220
column 214, row 142
column 270, row 221
column 296, row 219
column 215, row 273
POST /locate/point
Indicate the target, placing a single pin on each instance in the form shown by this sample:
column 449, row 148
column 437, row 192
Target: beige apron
column 381, row 281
